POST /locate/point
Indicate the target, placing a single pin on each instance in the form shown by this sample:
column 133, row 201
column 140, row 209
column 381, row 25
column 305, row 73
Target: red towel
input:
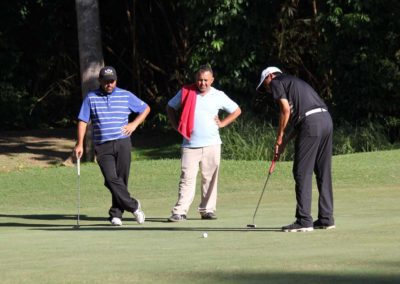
column 188, row 103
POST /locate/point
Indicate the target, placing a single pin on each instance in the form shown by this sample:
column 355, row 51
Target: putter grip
column 78, row 166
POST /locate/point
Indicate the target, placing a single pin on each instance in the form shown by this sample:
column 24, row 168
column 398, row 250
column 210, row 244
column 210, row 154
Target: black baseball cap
column 108, row 73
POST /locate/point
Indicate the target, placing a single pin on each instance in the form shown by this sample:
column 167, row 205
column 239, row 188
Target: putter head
column 76, row 227
column 251, row 226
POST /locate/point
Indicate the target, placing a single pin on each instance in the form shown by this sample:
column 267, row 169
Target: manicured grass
column 39, row 245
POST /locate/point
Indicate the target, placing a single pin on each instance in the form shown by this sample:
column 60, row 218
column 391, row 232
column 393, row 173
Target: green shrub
column 370, row 136
column 14, row 107
column 252, row 139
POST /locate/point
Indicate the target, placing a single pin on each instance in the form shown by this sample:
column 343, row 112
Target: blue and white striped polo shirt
column 109, row 112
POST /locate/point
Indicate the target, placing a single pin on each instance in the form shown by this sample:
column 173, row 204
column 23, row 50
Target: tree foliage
column 39, row 63
column 348, row 50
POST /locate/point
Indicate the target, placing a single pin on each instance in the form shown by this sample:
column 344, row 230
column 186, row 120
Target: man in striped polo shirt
column 108, row 108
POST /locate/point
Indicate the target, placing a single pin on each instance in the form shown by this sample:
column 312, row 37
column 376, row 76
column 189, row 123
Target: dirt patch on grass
column 35, row 148
column 45, row 148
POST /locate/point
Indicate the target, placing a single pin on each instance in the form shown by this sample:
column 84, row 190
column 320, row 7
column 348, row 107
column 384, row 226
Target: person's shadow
column 101, row 223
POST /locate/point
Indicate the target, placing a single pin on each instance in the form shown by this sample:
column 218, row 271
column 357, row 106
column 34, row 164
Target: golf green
column 38, row 243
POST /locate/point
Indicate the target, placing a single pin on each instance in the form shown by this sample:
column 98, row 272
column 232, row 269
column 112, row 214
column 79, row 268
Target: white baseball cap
column 266, row 72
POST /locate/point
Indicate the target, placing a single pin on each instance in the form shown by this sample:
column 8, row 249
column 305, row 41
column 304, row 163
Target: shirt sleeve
column 136, row 104
column 277, row 90
column 84, row 114
column 228, row 104
column 175, row 102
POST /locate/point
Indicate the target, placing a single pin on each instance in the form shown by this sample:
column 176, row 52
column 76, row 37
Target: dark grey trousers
column 114, row 159
column 313, row 154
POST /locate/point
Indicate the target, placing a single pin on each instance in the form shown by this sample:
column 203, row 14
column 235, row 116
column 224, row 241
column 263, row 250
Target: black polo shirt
column 300, row 95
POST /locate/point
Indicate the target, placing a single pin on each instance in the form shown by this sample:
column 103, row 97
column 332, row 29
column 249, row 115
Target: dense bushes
column 14, row 106
column 349, row 51
column 250, row 139
column 364, row 138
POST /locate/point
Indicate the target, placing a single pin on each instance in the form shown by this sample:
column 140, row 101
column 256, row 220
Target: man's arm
column 81, row 129
column 284, row 116
column 228, row 119
column 131, row 127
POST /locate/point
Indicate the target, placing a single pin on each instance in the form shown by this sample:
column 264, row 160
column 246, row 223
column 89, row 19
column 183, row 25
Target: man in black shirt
column 300, row 105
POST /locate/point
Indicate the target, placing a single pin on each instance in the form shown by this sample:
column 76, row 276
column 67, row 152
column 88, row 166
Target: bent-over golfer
column 301, row 105
column 108, row 108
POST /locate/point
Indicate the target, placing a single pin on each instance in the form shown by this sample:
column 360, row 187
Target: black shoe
column 296, row 227
column 209, row 216
column 319, row 225
column 177, row 218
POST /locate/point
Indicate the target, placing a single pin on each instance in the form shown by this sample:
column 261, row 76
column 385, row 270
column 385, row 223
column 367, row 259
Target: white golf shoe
column 115, row 221
column 139, row 214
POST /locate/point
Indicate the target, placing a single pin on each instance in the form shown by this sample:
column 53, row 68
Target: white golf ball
column 205, row 235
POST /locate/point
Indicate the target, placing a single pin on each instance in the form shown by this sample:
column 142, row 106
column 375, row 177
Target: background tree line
column 348, row 50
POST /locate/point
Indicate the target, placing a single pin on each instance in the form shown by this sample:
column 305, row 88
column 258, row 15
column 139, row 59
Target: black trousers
column 114, row 159
column 313, row 154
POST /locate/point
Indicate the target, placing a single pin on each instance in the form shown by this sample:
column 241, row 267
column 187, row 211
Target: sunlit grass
column 39, row 245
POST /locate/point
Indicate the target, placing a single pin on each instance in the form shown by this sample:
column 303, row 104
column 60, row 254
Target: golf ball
column 205, row 235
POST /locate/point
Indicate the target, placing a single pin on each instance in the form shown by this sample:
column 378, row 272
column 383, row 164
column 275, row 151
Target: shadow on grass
column 143, row 228
column 52, row 146
column 104, row 225
column 296, row 277
column 51, row 217
column 45, row 217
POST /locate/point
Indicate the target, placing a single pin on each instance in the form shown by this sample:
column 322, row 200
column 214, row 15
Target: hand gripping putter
column 271, row 170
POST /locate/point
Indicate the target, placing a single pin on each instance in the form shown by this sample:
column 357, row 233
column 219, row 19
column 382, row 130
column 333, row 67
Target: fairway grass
column 38, row 243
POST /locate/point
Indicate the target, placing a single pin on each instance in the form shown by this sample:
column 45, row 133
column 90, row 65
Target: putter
column 78, row 199
column 271, row 169
column 290, row 135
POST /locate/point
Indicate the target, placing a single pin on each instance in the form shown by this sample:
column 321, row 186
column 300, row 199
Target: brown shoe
column 209, row 216
column 177, row 218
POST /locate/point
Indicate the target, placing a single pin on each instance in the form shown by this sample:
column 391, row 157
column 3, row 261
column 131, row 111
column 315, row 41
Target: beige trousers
column 208, row 159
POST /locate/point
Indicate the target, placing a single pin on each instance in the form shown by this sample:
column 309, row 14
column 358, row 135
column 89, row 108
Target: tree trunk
column 90, row 55
column 131, row 14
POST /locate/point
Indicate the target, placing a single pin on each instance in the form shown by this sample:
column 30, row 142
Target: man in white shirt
column 202, row 146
